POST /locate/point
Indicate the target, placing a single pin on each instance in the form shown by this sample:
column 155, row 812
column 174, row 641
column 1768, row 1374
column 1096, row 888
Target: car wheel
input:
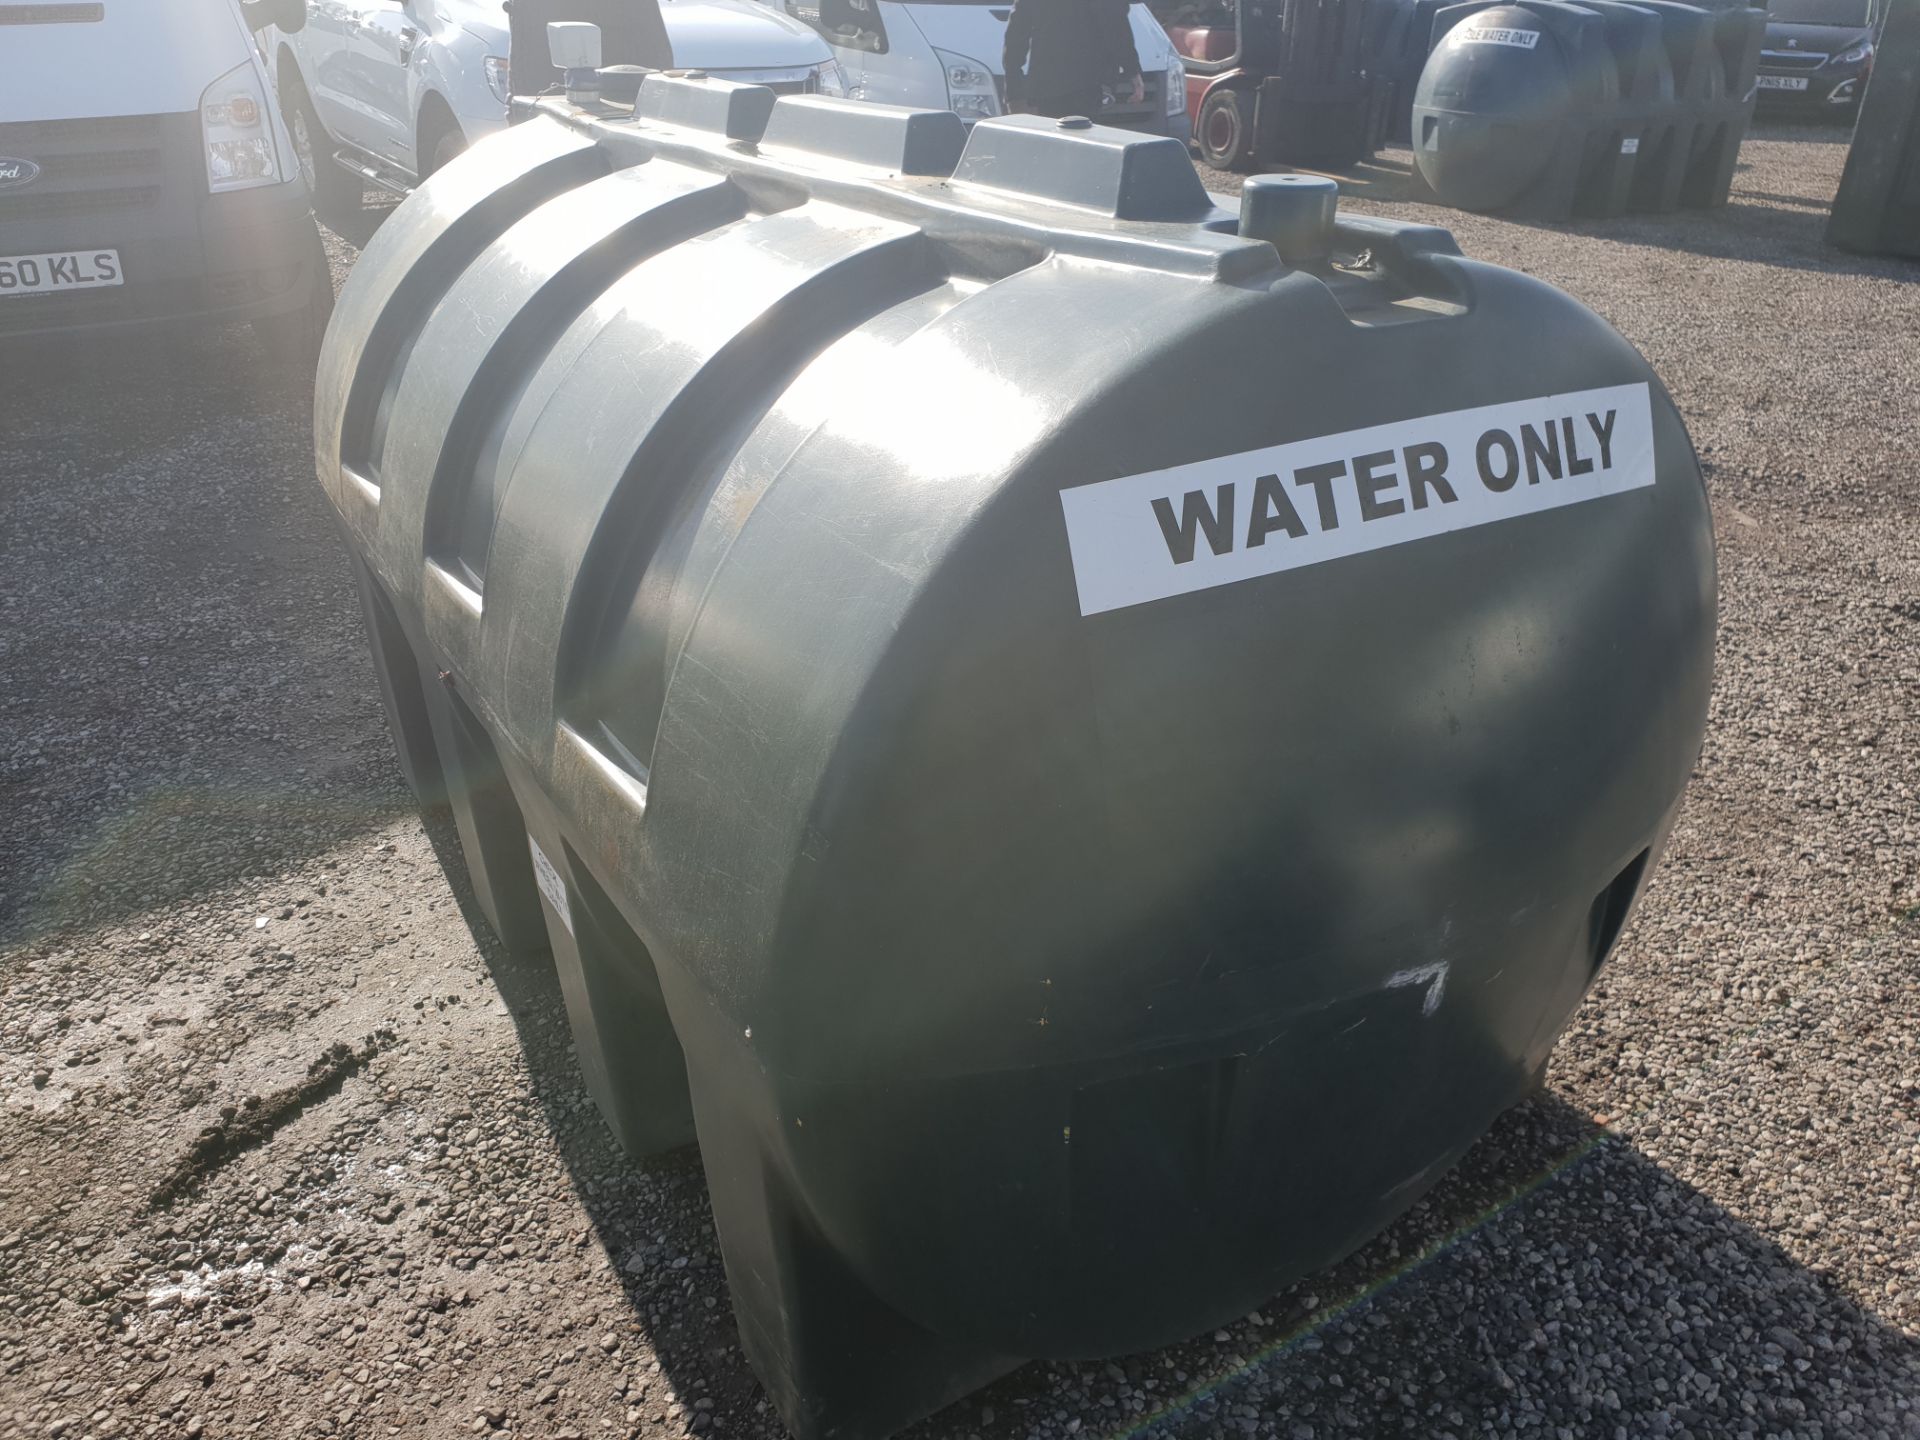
column 334, row 192
column 1224, row 131
column 450, row 145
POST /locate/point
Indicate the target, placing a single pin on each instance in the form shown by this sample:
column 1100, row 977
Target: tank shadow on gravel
column 1742, row 230
column 1748, row 233
column 1531, row 1224
column 1812, row 130
column 1550, row 1213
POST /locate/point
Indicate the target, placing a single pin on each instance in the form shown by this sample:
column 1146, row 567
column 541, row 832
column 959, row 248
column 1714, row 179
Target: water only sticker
column 1217, row 522
column 1498, row 35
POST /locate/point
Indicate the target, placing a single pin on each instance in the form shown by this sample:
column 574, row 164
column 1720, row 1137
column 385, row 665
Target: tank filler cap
column 1293, row 213
column 1073, row 122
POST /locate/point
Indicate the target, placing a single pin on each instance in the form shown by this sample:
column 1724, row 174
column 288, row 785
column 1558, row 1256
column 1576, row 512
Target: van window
column 851, row 24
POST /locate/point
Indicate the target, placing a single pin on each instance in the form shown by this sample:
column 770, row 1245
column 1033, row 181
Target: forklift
column 1281, row 82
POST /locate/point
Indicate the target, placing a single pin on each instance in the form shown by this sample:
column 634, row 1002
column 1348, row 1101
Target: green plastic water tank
column 1083, row 760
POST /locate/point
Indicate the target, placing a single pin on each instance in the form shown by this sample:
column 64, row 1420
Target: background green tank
column 1549, row 108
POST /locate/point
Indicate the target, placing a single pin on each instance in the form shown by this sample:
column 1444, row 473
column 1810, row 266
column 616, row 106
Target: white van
column 384, row 92
column 945, row 55
column 145, row 177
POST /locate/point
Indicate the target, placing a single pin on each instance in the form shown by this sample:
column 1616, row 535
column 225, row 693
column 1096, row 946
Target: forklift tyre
column 1225, row 130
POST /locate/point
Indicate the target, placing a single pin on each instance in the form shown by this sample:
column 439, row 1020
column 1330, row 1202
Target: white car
column 384, row 92
column 945, row 55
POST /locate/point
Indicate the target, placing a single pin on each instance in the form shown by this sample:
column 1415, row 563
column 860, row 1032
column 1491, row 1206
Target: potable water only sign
column 1499, row 35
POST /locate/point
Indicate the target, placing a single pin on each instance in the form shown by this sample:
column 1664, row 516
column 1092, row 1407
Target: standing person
column 1060, row 54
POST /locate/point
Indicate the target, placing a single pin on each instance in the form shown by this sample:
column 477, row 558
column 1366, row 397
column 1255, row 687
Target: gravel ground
column 286, row 1151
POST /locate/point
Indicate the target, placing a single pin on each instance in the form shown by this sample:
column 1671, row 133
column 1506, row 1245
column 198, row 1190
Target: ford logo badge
column 15, row 172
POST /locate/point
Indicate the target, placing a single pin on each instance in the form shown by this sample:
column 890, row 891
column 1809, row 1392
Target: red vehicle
column 1279, row 81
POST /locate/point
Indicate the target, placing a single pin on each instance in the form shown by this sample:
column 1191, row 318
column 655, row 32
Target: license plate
column 1783, row 82
column 59, row 270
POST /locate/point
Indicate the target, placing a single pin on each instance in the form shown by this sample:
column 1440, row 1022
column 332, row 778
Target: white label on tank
column 1497, row 35
column 551, row 885
column 1630, row 145
column 1239, row 517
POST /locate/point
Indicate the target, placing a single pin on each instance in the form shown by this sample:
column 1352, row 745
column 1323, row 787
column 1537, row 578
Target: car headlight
column 1176, row 86
column 499, row 77
column 829, row 79
column 237, row 132
column 971, row 92
column 1862, row 51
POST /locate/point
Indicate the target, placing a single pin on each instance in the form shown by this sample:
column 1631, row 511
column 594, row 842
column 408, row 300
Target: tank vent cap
column 1293, row 213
